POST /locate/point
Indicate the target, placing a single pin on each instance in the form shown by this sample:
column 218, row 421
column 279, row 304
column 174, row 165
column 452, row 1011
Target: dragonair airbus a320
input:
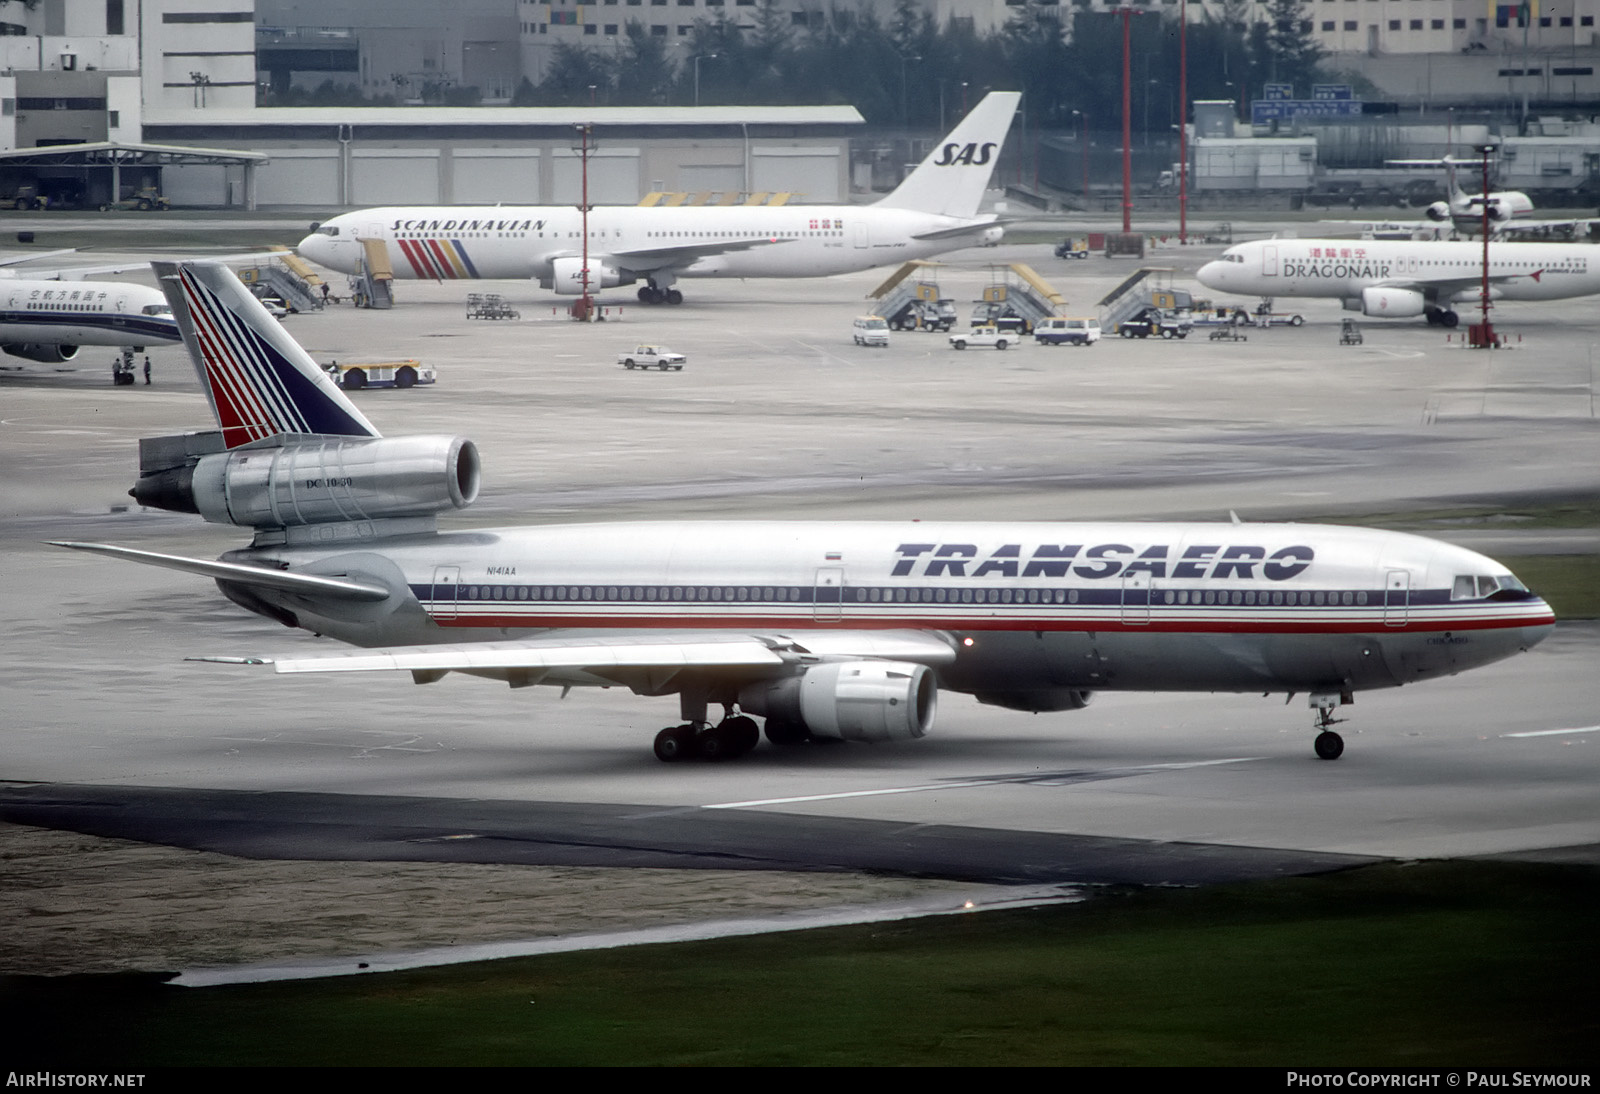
column 934, row 210
column 826, row 630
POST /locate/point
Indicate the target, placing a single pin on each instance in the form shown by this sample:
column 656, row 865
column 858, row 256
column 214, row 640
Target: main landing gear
column 659, row 293
column 1329, row 745
column 727, row 740
column 1441, row 317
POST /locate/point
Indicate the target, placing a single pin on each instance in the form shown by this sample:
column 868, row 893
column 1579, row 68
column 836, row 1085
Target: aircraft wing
column 646, row 259
column 1577, row 228
column 644, row 660
column 80, row 273
column 305, row 584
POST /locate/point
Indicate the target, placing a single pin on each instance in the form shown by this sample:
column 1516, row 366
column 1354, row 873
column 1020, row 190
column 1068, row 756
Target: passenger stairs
column 1148, row 287
column 1018, row 294
column 294, row 282
column 913, row 304
column 373, row 286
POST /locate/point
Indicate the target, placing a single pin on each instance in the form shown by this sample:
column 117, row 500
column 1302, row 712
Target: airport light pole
column 1482, row 335
column 584, row 310
column 1183, row 121
column 1127, row 121
column 697, row 58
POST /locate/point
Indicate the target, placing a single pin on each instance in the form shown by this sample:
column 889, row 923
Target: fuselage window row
column 873, row 595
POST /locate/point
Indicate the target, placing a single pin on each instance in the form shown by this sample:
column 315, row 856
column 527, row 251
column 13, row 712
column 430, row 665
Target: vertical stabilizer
column 951, row 181
column 260, row 382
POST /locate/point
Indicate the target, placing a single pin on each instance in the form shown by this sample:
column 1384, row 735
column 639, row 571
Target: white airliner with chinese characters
column 826, row 630
column 46, row 318
column 1402, row 279
column 934, row 210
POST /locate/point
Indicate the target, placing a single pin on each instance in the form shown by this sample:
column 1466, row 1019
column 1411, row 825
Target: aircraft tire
column 743, row 731
column 673, row 297
column 1450, row 319
column 675, row 743
column 786, row 734
column 1329, row 745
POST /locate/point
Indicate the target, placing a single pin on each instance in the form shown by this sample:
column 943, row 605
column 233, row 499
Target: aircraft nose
column 1210, row 275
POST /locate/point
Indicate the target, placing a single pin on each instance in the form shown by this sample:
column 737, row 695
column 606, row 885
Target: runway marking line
column 983, row 780
column 1553, row 732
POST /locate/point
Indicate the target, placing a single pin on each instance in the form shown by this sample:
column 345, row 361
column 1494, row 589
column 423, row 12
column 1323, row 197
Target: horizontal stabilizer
column 282, row 580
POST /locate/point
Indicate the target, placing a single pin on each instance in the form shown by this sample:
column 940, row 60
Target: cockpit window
column 1476, row 586
column 328, row 230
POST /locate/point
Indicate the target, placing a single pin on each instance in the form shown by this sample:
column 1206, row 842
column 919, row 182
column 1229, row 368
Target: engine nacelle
column 1385, row 303
column 320, row 482
column 566, row 276
column 42, row 351
column 1037, row 700
column 851, row 700
column 1439, row 212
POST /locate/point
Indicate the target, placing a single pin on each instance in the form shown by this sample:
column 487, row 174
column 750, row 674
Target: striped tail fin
column 260, row 382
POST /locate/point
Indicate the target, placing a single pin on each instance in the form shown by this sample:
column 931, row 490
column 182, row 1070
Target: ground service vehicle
column 651, row 357
column 1057, row 331
column 143, row 200
column 872, row 330
column 363, row 374
column 1154, row 321
column 985, row 336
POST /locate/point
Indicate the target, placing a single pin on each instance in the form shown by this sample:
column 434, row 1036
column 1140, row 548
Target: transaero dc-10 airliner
column 825, row 630
column 934, row 210
column 1403, row 279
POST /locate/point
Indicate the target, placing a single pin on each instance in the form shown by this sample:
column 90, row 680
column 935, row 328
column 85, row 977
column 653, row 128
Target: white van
column 1056, row 331
column 872, row 330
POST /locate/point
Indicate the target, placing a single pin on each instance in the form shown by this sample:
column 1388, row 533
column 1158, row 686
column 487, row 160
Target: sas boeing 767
column 934, row 210
column 826, row 630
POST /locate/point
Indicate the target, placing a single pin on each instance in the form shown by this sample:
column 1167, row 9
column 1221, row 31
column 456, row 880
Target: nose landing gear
column 1328, row 744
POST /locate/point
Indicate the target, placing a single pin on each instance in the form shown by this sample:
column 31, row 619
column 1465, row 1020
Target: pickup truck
column 651, row 357
column 985, row 336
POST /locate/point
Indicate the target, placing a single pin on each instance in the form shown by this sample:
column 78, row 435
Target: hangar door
column 812, row 173
column 394, row 176
column 483, row 176
column 297, row 176
column 613, row 176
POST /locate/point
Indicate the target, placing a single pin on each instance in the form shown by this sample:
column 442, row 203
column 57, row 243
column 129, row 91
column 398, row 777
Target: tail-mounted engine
column 566, row 276
column 851, row 700
column 47, row 352
column 307, row 480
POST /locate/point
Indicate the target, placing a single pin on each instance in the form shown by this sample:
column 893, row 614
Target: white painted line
column 1554, row 732
column 961, row 784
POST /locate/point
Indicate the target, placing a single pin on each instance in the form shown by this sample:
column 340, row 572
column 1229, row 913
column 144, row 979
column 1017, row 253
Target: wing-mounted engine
column 47, row 352
column 308, row 480
column 566, row 276
column 1439, row 212
column 1385, row 303
column 851, row 700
